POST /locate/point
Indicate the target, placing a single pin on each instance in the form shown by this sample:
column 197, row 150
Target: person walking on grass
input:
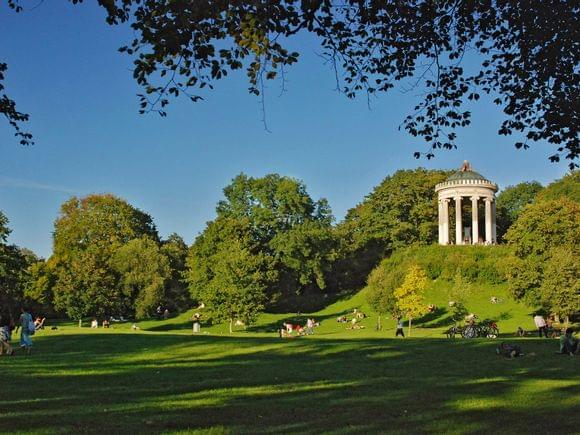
column 400, row 325
column 541, row 325
column 25, row 331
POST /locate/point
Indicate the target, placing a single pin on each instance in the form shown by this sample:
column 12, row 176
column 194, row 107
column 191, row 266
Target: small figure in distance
column 568, row 343
column 196, row 322
column 166, row 314
column 94, row 324
column 494, row 300
column 400, row 325
column 134, row 327
column 159, row 312
column 470, row 318
column 26, row 329
column 341, row 319
column 540, row 323
column 520, row 332
column 5, row 337
column 39, row 322
column 310, row 323
column 106, row 323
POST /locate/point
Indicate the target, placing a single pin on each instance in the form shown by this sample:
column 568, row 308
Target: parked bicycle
column 485, row 329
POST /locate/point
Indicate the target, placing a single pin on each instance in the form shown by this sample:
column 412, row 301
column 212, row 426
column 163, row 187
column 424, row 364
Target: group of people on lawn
column 287, row 330
column 568, row 342
column 27, row 325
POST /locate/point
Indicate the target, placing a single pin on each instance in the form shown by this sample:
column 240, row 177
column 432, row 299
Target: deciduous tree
column 510, row 203
column 272, row 216
column 87, row 234
column 144, row 272
column 237, row 289
column 538, row 237
column 526, row 56
column 177, row 295
column 409, row 296
column 560, row 288
column 400, row 211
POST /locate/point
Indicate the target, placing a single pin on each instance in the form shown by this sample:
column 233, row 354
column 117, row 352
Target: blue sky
column 64, row 69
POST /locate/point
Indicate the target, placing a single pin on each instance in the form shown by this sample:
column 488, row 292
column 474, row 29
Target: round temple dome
column 466, row 172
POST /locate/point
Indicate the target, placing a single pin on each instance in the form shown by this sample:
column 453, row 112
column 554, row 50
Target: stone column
column 493, row 223
column 474, row 221
column 440, row 215
column 445, row 204
column 488, row 231
column 458, row 223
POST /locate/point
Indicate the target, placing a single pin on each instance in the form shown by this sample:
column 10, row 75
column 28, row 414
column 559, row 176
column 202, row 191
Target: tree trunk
column 80, row 323
column 410, row 321
column 231, row 325
column 379, row 327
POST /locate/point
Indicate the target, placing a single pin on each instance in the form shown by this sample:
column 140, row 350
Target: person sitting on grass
column 39, row 322
column 287, row 329
column 568, row 343
column 5, row 337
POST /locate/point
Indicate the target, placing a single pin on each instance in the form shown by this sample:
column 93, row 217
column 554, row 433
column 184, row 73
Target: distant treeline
column 272, row 246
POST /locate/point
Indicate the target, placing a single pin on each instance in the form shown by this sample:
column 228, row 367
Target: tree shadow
column 439, row 318
column 122, row 382
column 187, row 325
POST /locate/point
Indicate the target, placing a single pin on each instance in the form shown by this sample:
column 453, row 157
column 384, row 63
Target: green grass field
column 163, row 379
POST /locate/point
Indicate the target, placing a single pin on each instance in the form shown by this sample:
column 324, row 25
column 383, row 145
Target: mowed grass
column 163, row 379
column 116, row 381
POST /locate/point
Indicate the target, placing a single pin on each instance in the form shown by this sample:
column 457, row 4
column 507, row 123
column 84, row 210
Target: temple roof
column 466, row 172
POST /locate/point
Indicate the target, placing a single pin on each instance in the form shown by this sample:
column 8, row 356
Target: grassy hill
column 508, row 313
column 481, row 268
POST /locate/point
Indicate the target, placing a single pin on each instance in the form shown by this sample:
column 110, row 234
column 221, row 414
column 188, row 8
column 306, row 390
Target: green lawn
column 163, row 379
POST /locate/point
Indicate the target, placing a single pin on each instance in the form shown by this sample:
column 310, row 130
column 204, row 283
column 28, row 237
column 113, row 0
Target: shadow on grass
column 169, row 326
column 440, row 317
column 152, row 383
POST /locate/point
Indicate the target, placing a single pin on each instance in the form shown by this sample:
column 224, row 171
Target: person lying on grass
column 288, row 328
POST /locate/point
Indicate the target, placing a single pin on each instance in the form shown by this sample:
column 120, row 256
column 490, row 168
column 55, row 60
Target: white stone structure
column 473, row 187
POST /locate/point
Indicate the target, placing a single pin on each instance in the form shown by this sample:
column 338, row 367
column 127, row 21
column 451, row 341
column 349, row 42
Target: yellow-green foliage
column 409, row 296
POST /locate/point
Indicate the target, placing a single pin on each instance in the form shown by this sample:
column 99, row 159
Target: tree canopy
column 568, row 186
column 543, row 235
column 14, row 271
column 274, row 218
column 143, row 271
column 409, row 296
column 400, row 211
column 528, row 57
column 510, row 203
column 87, row 234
